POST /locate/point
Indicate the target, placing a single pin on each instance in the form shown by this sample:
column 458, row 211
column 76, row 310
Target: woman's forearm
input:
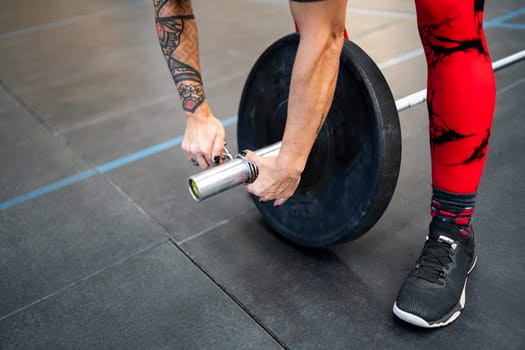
column 178, row 38
column 204, row 135
column 314, row 78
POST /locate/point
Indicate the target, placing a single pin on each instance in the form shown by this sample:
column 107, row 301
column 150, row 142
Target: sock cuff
column 453, row 201
column 453, row 208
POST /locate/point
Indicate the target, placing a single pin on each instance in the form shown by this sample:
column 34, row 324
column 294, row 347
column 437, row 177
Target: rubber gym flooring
column 102, row 246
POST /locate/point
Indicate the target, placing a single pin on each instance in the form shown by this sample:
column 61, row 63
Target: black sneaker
column 433, row 294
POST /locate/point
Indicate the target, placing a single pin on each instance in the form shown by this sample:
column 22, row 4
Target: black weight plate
column 352, row 170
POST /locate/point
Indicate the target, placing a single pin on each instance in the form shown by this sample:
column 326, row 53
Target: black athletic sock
column 454, row 209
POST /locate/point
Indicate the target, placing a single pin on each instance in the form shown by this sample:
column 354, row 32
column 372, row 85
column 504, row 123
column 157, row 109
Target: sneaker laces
column 434, row 260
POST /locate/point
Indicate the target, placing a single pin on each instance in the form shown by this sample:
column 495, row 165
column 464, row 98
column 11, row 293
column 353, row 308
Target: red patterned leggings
column 461, row 91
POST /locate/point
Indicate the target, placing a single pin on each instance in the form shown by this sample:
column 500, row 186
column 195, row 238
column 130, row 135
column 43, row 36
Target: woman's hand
column 203, row 142
column 274, row 181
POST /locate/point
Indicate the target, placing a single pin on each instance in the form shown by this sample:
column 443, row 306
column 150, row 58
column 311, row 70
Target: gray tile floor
column 100, row 251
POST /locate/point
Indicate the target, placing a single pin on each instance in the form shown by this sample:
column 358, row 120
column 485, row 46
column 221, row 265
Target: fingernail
column 216, row 159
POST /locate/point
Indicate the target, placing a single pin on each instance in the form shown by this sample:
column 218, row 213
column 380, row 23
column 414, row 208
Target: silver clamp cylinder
column 231, row 173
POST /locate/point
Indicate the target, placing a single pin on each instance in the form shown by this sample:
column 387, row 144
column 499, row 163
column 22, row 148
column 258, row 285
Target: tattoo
column 181, row 72
column 192, row 96
column 159, row 4
column 182, row 61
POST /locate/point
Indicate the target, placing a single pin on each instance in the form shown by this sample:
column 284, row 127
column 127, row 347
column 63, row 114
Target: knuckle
column 194, row 148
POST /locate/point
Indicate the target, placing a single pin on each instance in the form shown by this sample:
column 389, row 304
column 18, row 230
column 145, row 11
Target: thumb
column 250, row 156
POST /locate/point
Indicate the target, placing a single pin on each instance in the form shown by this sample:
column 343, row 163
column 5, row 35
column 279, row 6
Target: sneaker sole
column 447, row 319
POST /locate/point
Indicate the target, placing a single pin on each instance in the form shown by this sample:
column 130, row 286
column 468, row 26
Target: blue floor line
column 47, row 189
column 117, row 163
column 510, row 25
column 104, row 168
column 501, row 19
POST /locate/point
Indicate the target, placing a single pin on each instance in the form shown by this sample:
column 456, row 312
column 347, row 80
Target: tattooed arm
column 314, row 76
column 177, row 32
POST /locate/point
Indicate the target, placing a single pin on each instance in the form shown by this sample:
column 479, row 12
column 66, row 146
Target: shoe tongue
column 441, row 237
column 450, row 232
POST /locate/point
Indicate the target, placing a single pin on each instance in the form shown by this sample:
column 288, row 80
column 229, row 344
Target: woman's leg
column 461, row 98
column 461, row 91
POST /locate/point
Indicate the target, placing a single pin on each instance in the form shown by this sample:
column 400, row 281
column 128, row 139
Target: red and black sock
column 454, row 209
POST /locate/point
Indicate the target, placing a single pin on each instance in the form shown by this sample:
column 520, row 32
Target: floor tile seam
column 509, row 87
column 85, row 278
column 25, row 107
column 359, row 10
column 193, row 261
column 213, row 227
column 156, row 225
column 380, row 13
column 101, row 170
column 232, row 297
column 104, row 117
column 92, row 168
column 375, row 29
column 74, row 19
